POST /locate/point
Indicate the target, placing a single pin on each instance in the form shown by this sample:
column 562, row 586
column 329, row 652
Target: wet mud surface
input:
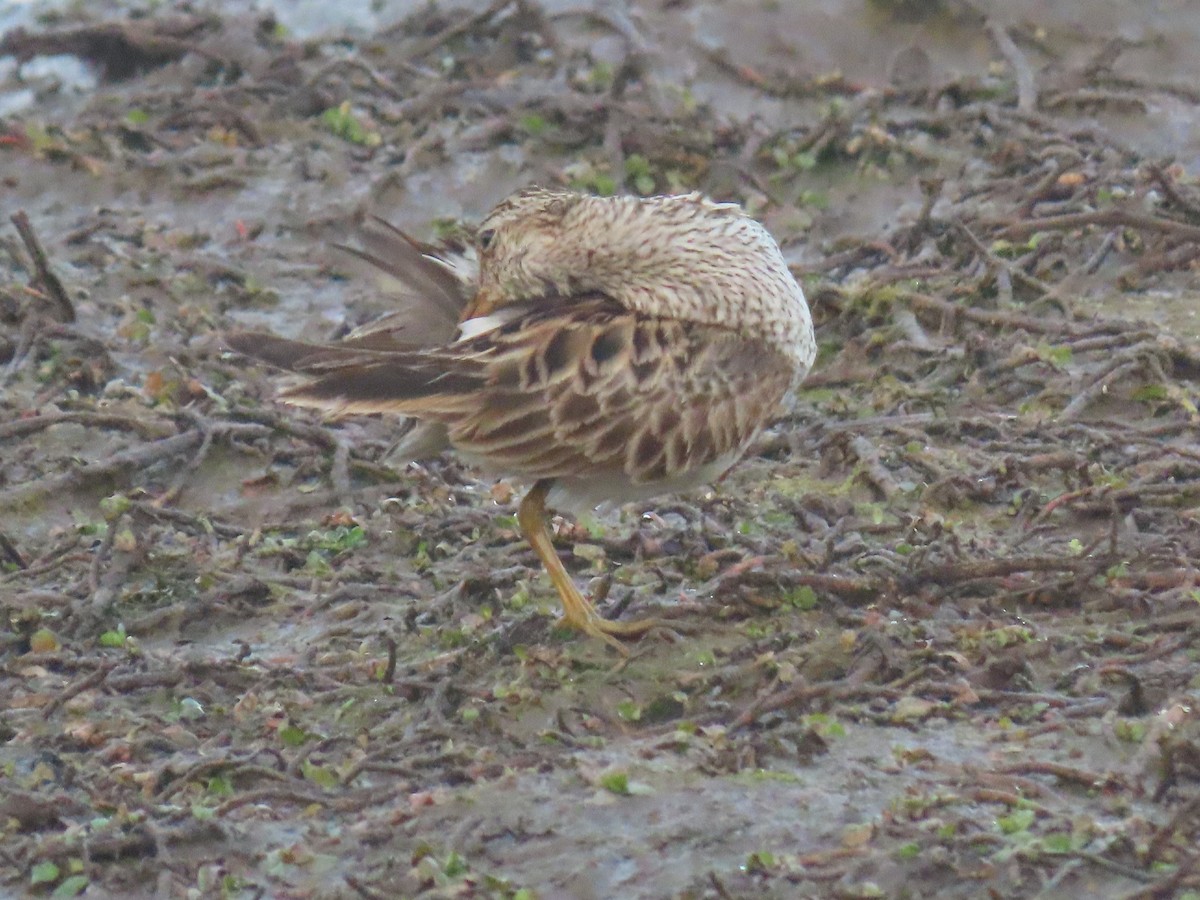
column 937, row 634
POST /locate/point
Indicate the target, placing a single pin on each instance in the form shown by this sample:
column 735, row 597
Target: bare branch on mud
column 460, row 26
column 120, row 463
column 44, row 281
column 997, row 318
column 1001, row 266
column 363, row 890
column 1099, row 387
column 10, row 553
column 121, row 48
column 1027, row 94
column 1105, row 217
column 149, row 429
column 873, row 467
column 95, row 679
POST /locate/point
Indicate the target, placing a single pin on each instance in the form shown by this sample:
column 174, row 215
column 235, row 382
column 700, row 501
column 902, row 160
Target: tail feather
column 295, row 356
column 396, row 386
column 350, row 379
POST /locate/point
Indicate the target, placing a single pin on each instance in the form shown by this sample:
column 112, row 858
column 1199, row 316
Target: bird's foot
column 591, row 623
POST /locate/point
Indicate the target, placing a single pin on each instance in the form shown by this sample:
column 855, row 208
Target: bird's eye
column 486, row 238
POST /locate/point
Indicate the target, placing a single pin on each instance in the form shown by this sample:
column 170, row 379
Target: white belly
column 576, row 495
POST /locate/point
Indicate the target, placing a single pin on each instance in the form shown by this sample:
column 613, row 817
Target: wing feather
column 430, row 291
column 574, row 391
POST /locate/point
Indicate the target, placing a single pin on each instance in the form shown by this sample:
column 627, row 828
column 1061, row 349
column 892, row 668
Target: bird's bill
column 482, row 304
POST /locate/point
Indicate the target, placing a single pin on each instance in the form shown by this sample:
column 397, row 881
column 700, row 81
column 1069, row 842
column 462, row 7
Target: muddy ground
column 937, row 634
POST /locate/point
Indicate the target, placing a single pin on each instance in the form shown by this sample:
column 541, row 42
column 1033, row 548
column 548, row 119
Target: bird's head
column 682, row 256
column 554, row 244
column 524, row 250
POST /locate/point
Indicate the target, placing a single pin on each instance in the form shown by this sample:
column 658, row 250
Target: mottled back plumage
column 682, row 257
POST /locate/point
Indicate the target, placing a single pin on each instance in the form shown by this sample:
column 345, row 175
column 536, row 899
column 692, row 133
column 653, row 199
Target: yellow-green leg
column 577, row 611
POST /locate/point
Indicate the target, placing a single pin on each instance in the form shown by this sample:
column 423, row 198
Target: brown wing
column 587, row 389
column 650, row 398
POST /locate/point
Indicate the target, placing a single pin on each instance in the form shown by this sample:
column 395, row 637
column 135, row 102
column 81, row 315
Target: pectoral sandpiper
column 608, row 349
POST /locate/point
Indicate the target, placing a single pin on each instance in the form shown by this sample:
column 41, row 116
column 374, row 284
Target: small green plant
column 637, row 170
column 293, row 736
column 802, row 598
column 760, row 861
column 342, row 121
column 824, row 725
column 319, row 775
column 615, row 782
column 586, row 177
column 1016, row 822
column 115, row 639
column 533, row 124
column 1129, row 730
column 629, row 711
column 46, row 873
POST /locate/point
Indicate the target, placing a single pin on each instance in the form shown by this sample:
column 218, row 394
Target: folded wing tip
column 270, row 349
column 244, row 342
